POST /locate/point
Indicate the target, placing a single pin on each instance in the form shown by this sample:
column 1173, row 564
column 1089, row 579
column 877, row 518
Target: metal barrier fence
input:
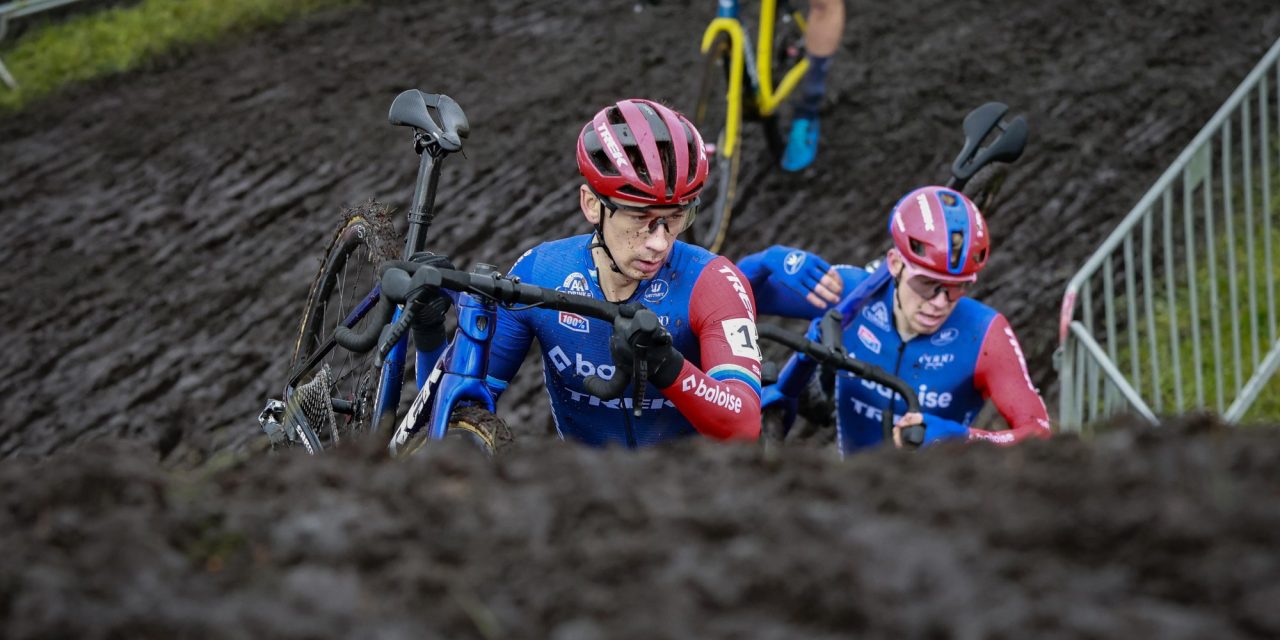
column 1177, row 309
column 18, row 9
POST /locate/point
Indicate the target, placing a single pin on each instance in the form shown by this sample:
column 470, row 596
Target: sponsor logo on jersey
column 658, row 289
column 574, row 322
column 664, row 320
column 868, row 338
column 928, row 399
column 575, row 283
column 615, row 152
column 713, row 394
column 932, row 361
column 627, row 402
column 580, row 366
column 878, row 314
column 792, row 263
column 742, row 291
column 944, row 337
column 1022, row 363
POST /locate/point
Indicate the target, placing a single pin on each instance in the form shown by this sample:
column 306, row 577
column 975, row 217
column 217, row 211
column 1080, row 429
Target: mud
column 160, row 230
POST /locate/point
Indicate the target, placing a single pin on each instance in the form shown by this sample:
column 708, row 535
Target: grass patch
column 1234, row 284
column 120, row 39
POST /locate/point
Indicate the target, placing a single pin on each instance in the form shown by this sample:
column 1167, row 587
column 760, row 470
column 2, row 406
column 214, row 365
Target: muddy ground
column 160, row 230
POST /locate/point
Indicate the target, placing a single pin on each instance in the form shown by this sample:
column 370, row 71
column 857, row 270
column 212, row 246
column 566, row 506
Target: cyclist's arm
column 512, row 336
column 1001, row 375
column 806, row 292
column 722, row 399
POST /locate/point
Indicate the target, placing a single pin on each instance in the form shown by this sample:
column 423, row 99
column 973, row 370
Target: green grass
column 123, row 38
column 1266, row 408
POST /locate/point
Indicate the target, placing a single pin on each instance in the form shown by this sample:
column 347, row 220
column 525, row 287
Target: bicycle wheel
column 711, row 117
column 348, row 273
column 473, row 425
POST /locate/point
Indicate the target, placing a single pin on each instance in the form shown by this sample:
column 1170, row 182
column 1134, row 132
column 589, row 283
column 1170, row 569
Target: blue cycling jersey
column 971, row 356
column 939, row 367
column 698, row 296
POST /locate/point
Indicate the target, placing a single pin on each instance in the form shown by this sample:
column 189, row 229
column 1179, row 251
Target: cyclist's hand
column 430, row 307
column 805, row 273
column 665, row 361
column 908, row 420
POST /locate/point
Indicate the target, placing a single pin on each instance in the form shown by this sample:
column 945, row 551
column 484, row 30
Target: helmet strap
column 599, row 242
column 899, row 314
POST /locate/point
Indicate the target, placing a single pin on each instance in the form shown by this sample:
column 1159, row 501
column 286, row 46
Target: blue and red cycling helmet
column 642, row 151
column 941, row 231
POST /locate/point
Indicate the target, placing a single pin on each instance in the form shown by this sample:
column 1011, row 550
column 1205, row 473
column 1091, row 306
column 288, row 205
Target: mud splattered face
column 639, row 237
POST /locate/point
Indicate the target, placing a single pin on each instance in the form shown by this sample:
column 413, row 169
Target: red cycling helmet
column 642, row 151
column 941, row 231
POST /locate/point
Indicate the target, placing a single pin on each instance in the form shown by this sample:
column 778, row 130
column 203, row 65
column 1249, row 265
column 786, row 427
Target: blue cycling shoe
column 802, row 145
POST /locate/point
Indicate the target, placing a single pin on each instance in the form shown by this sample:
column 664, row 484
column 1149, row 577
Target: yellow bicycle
column 737, row 86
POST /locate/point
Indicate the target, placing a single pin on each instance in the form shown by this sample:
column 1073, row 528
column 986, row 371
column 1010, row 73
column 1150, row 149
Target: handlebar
column 831, row 352
column 403, row 281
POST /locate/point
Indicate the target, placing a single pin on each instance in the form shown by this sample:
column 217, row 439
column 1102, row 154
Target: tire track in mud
column 160, row 231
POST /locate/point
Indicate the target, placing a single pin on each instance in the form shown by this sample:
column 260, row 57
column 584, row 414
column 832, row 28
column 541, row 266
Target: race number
column 742, row 337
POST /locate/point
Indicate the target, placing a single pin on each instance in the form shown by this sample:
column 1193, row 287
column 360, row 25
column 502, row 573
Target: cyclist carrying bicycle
column 822, row 40
column 644, row 166
column 955, row 351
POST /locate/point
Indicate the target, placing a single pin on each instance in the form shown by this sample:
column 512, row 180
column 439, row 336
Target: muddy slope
column 160, row 230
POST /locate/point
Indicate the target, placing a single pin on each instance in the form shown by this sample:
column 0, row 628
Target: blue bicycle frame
column 433, row 142
column 458, row 375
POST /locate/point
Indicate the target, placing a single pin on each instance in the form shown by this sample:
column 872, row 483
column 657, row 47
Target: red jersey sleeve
column 1001, row 375
column 722, row 399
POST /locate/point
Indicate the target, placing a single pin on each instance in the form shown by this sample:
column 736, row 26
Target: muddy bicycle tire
column 474, row 425
column 348, row 272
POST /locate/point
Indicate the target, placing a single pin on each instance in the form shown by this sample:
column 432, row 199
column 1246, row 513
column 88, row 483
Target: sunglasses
column 639, row 217
column 928, row 288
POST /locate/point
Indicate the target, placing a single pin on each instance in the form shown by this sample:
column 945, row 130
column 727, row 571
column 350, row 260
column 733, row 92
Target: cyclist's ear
column 591, row 206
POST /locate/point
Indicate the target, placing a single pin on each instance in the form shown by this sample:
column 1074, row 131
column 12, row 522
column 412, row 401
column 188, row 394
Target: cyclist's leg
column 822, row 39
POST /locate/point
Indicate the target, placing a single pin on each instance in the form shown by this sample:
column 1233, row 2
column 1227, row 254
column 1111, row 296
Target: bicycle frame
column 458, row 374
column 421, row 213
column 759, row 69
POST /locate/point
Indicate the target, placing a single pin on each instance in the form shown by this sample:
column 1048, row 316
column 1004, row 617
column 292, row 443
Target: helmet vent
column 917, row 248
column 628, row 190
column 693, row 155
column 957, row 248
column 603, row 163
column 637, row 162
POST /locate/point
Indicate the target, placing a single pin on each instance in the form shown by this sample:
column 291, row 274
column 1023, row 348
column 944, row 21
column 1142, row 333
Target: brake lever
column 393, row 332
column 648, row 326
